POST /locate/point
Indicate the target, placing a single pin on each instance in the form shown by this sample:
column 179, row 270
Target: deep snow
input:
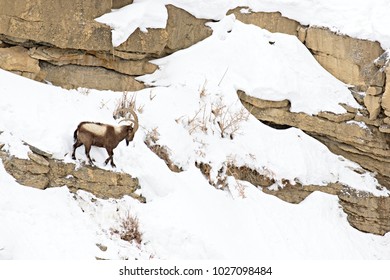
column 356, row 18
column 185, row 217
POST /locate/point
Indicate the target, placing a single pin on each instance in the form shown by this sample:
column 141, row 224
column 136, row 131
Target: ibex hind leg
column 75, row 146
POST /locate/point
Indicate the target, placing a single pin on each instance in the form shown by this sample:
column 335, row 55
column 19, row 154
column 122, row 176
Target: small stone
column 349, row 109
column 103, row 248
column 37, row 151
column 38, row 159
column 374, row 90
column 384, row 129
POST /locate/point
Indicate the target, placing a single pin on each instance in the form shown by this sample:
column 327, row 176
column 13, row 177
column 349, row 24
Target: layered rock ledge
column 365, row 212
column 42, row 171
column 61, row 43
column 71, row 41
column 351, row 135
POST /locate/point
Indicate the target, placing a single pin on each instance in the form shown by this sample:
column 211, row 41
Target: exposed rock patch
column 273, row 22
column 349, row 59
column 344, row 134
column 72, row 37
column 41, row 172
column 74, row 76
column 184, row 30
column 117, row 4
column 364, row 211
column 67, row 47
column 16, row 59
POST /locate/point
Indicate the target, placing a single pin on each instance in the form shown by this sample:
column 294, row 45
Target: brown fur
column 88, row 135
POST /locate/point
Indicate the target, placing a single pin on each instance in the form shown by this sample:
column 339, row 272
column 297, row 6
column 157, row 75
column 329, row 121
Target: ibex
column 104, row 135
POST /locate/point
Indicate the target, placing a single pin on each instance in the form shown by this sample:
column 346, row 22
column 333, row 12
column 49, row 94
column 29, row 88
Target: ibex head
column 132, row 129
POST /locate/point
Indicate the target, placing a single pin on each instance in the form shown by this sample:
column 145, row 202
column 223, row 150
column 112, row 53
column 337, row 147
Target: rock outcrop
column 17, row 60
column 63, row 44
column 365, row 211
column 63, row 29
column 349, row 59
column 41, row 171
column 352, row 135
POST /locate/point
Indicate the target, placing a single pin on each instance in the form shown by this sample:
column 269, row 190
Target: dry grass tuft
column 129, row 229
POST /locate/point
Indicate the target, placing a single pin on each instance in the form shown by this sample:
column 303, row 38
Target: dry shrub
column 215, row 116
column 129, row 229
column 229, row 122
column 124, row 104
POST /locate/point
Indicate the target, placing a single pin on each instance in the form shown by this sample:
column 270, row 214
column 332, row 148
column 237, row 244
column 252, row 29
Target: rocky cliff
column 61, row 43
column 41, row 171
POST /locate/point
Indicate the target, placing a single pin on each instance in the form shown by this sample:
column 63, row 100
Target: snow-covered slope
column 185, row 217
column 359, row 18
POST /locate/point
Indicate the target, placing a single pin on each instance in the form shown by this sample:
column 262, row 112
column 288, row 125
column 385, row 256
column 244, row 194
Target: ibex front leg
column 110, row 157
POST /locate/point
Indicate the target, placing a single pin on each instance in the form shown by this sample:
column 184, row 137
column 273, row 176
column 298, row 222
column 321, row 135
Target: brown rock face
column 362, row 143
column 184, row 30
column 16, row 59
column 74, row 51
column 73, row 76
column 116, row 4
column 151, row 43
column 351, row 60
column 273, row 22
column 41, row 172
column 386, row 95
column 373, row 105
column 65, row 24
column 123, row 66
column 366, row 213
